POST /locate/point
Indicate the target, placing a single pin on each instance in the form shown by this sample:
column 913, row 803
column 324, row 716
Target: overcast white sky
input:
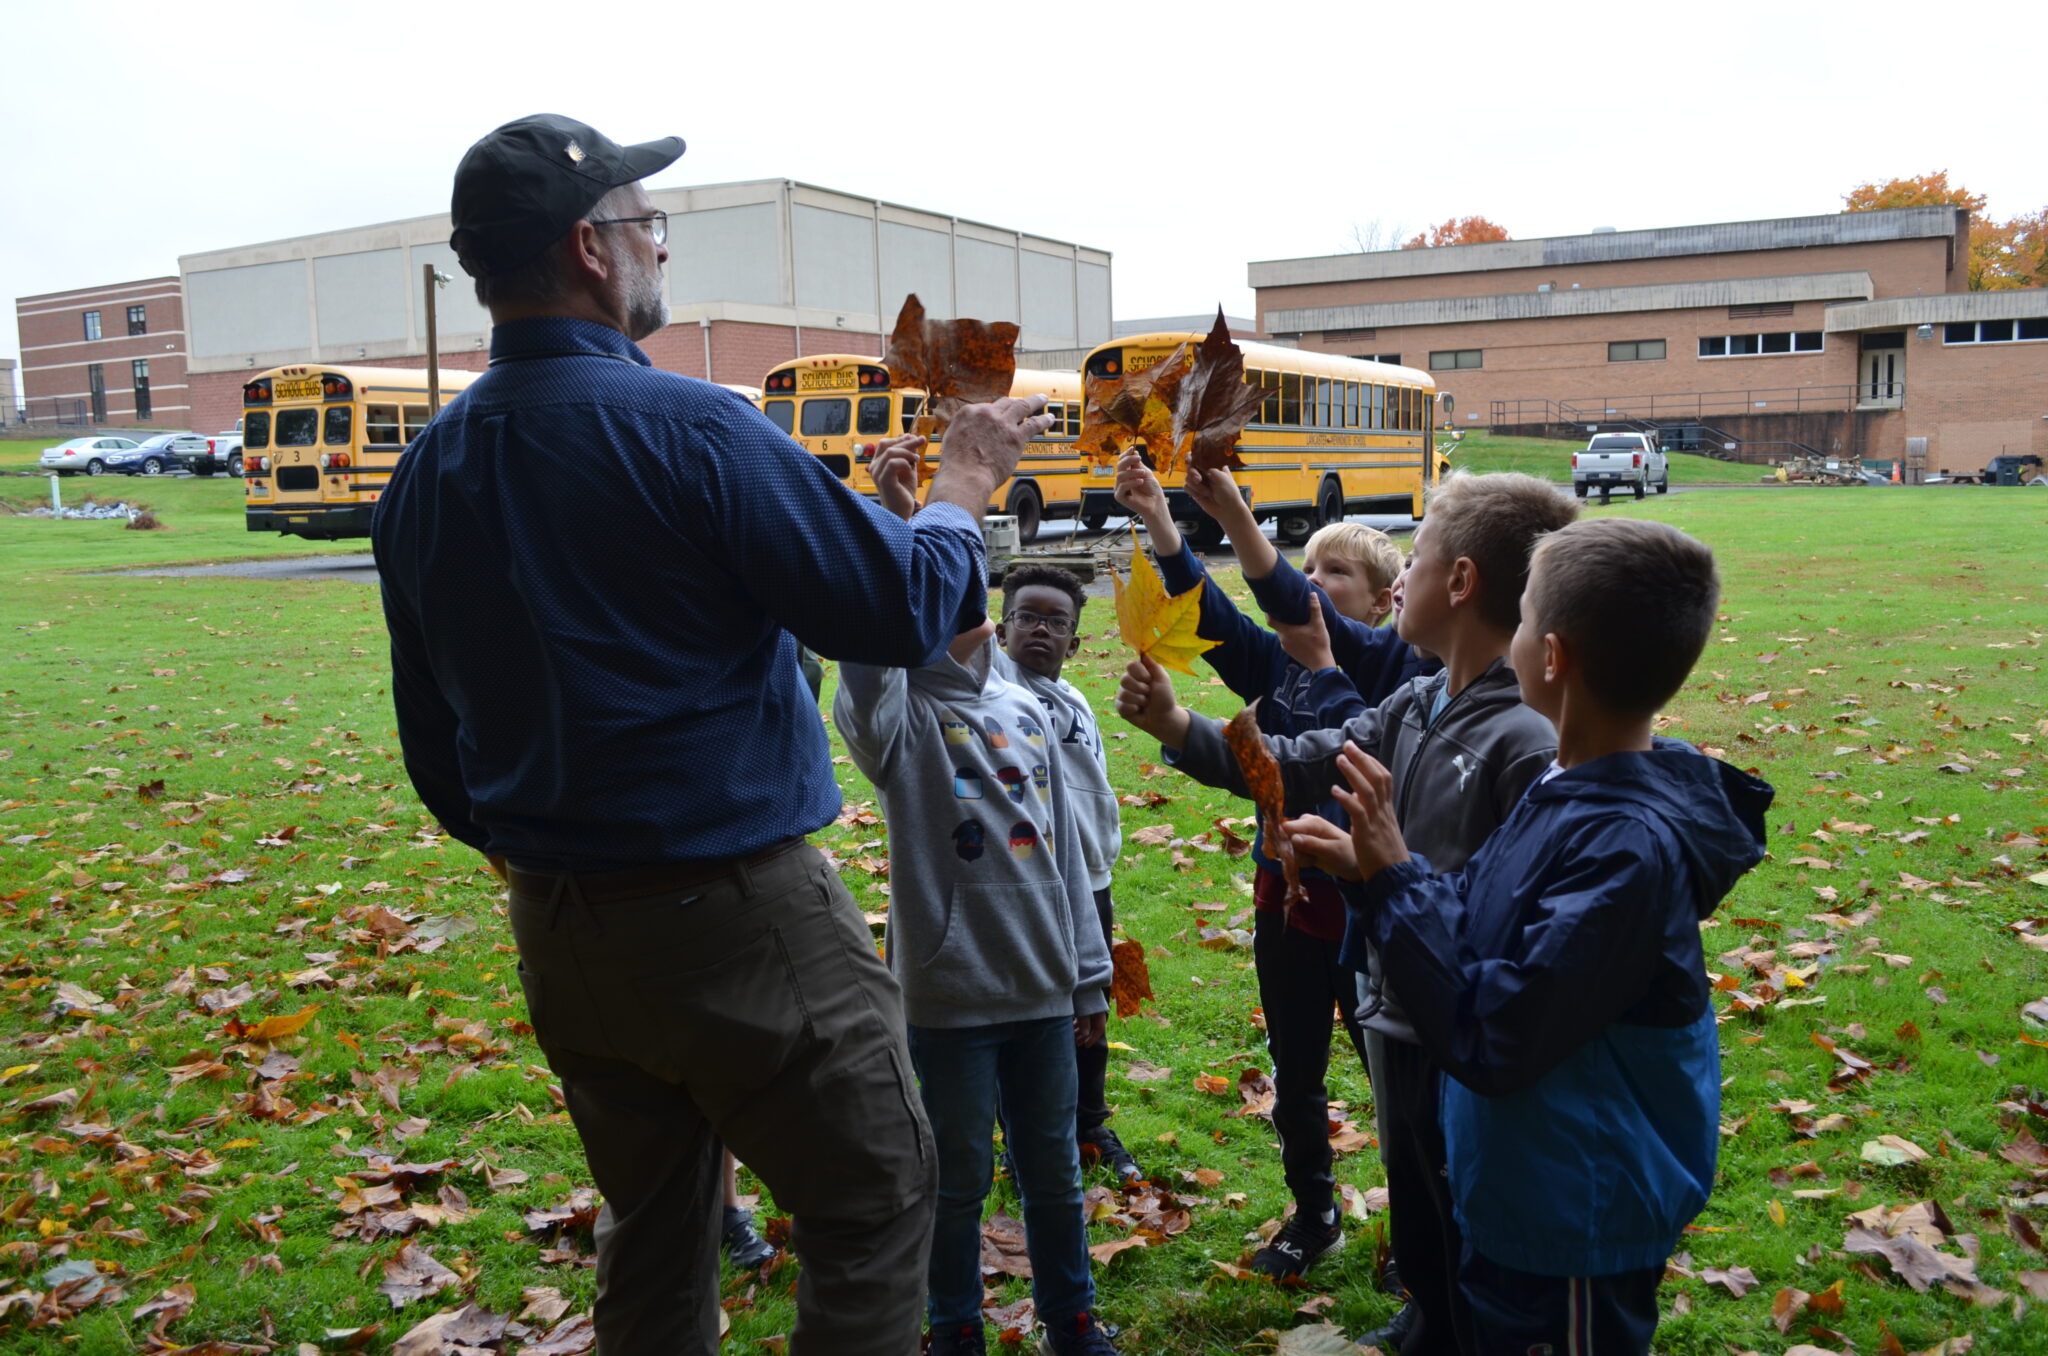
column 1185, row 140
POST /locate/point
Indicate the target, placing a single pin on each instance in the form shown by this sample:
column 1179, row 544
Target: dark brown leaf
column 1131, row 982
column 1214, row 403
column 954, row 362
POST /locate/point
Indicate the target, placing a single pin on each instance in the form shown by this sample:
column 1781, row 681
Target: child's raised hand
column 894, row 471
column 1137, row 489
column 1214, row 491
column 1322, row 845
column 1369, row 801
column 1307, row 643
column 1146, row 699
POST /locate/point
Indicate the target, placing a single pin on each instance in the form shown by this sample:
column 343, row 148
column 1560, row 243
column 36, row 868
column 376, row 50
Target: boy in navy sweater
column 1295, row 951
column 1559, row 978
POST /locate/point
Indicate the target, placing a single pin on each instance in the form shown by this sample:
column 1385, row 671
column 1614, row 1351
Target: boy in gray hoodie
column 1040, row 631
column 994, row 937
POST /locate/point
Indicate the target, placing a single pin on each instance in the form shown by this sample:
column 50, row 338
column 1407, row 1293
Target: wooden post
column 433, row 349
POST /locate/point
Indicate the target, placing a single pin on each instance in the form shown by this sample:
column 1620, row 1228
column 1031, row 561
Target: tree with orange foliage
column 2004, row 255
column 1458, row 231
column 1925, row 190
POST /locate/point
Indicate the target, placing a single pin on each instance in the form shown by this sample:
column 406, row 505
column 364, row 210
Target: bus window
column 340, row 425
column 1058, row 412
column 1350, row 419
column 1406, row 407
column 415, row 421
column 380, row 424
column 1269, row 408
column 874, row 414
column 911, row 405
column 297, row 428
column 1329, row 404
column 256, row 429
column 1290, row 397
column 782, row 414
column 1380, row 417
column 825, row 418
column 1074, row 410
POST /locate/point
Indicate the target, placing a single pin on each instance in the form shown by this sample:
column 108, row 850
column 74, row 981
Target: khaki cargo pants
column 753, row 1012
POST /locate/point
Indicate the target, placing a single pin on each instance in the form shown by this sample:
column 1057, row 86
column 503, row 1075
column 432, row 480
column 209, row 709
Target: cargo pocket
column 858, row 1149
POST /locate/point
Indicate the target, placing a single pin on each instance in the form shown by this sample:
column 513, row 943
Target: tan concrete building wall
column 1896, row 268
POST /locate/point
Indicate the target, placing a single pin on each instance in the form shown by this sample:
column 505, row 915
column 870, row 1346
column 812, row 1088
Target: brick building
column 1851, row 333
column 111, row 355
column 758, row 273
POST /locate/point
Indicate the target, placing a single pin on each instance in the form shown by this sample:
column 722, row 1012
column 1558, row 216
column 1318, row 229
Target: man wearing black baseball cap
column 596, row 576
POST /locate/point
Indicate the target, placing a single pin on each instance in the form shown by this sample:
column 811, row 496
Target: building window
column 1394, row 359
column 92, row 324
column 1760, row 345
column 1995, row 331
column 138, row 322
column 96, row 383
column 1636, row 351
column 1759, row 311
column 1445, row 360
column 140, row 367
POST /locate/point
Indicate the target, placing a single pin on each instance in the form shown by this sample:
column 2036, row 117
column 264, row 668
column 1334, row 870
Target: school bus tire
column 1330, row 503
column 1203, row 533
column 1094, row 522
column 1028, row 509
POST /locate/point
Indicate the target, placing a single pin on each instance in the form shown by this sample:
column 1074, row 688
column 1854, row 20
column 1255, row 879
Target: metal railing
column 1694, row 405
column 56, row 414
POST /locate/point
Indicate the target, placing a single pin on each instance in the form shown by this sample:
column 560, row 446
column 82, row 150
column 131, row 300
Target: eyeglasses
column 1028, row 621
column 657, row 224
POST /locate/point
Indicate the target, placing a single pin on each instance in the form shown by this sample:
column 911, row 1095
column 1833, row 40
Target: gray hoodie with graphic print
column 991, row 917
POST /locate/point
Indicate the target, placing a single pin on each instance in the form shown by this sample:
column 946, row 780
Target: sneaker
column 1081, row 1335
column 1390, row 1277
column 965, row 1340
column 1395, row 1333
column 1111, row 1151
column 1299, row 1245
column 744, row 1248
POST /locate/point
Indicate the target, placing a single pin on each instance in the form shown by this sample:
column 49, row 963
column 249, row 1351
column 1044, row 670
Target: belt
column 609, row 887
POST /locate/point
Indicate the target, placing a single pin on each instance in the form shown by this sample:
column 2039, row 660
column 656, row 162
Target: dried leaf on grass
column 1131, row 982
column 413, row 1274
column 1262, row 774
column 452, row 1332
column 1158, row 625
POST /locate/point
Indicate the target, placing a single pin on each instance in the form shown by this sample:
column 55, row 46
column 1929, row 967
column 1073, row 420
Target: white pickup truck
column 1614, row 461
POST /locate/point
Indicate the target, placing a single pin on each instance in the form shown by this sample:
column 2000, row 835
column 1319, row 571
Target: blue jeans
column 961, row 1072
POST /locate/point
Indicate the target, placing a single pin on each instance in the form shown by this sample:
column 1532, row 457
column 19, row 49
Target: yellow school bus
column 319, row 443
column 1333, row 435
column 838, row 405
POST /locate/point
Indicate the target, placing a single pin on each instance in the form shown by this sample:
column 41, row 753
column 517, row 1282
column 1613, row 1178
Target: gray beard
column 646, row 303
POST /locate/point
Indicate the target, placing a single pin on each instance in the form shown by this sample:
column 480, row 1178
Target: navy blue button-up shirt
column 595, row 575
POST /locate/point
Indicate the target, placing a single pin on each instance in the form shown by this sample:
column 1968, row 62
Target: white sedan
column 90, row 454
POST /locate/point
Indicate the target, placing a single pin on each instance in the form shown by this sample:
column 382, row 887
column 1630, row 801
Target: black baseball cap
column 522, row 187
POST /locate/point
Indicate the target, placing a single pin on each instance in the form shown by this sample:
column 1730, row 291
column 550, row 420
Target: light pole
column 431, row 280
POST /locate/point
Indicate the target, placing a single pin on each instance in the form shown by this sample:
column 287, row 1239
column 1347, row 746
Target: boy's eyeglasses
column 1027, row 621
column 657, row 224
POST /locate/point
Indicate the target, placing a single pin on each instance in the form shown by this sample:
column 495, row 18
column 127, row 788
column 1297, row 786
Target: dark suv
column 222, row 452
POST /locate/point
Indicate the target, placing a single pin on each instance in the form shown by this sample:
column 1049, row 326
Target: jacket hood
column 1715, row 810
column 952, row 681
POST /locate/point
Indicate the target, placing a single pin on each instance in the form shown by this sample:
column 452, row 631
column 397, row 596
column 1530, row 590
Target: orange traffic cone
column 1895, row 473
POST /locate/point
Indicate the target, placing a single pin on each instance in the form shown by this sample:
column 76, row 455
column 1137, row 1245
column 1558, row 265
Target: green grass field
column 207, row 828
column 1551, row 459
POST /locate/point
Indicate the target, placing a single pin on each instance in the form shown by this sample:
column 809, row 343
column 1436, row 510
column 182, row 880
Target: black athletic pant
column 1517, row 1311
column 1093, row 1061
column 1406, row 1085
column 1300, row 984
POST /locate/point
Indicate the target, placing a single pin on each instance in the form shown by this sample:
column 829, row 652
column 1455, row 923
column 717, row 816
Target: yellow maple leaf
column 1157, row 624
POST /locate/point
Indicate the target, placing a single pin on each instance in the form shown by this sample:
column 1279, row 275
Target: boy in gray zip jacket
column 1462, row 748
column 994, row 937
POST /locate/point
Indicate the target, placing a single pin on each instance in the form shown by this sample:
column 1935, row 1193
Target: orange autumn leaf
column 954, row 362
column 1131, row 982
column 272, row 1028
column 1156, row 624
column 1139, row 405
column 1262, row 775
column 1212, row 1084
column 1213, row 403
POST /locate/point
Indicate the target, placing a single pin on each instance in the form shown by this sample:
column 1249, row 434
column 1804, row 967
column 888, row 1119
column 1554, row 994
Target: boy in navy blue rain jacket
column 1559, row 977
